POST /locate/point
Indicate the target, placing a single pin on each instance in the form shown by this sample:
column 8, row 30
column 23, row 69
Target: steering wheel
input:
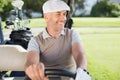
column 60, row 72
column 53, row 72
column 57, row 72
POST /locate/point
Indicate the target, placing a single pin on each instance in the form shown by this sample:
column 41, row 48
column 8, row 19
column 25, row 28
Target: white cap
column 55, row 5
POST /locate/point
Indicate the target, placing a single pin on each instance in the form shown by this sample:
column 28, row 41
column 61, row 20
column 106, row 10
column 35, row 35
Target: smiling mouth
column 61, row 23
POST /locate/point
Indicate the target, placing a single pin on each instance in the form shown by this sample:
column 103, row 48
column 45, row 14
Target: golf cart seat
column 12, row 57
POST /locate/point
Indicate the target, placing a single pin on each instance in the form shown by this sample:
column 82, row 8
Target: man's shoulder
column 67, row 30
column 39, row 34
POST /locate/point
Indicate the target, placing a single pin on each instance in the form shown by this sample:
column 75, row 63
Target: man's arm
column 80, row 58
column 32, row 58
column 81, row 62
column 33, row 68
column 79, row 55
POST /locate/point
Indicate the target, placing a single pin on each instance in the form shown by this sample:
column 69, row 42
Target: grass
column 83, row 22
column 80, row 22
column 103, row 55
column 96, row 22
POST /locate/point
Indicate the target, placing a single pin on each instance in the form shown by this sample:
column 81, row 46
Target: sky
column 118, row 1
column 88, row 4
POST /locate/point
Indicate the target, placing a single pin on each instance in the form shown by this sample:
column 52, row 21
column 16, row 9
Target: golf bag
column 20, row 37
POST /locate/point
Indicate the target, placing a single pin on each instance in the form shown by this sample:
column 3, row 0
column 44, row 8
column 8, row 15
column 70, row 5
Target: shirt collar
column 46, row 35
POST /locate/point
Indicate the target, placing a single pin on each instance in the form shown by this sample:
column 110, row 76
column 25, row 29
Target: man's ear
column 45, row 16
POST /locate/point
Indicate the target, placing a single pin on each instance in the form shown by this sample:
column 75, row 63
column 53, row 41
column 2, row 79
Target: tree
column 33, row 5
column 106, row 8
column 2, row 3
column 5, row 7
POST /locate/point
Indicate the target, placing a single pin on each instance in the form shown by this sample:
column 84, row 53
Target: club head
column 8, row 22
column 18, row 4
column 13, row 12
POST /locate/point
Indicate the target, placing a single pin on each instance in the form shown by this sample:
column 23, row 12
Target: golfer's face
column 58, row 19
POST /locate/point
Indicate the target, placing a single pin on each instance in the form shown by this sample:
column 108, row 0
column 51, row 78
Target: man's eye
column 58, row 14
column 65, row 14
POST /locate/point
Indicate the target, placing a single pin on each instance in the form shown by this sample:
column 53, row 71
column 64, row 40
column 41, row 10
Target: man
column 56, row 47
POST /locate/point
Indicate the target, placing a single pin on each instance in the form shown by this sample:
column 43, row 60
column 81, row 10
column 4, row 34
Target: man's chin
column 62, row 27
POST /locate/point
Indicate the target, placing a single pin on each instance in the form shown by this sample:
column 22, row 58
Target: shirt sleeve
column 33, row 45
column 75, row 37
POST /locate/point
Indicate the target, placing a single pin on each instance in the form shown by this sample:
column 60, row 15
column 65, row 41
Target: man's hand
column 82, row 75
column 36, row 72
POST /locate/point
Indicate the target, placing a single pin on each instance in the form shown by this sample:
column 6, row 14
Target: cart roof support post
column 1, row 33
column 69, row 21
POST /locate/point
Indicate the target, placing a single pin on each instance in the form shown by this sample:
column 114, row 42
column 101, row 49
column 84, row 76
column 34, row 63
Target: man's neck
column 53, row 33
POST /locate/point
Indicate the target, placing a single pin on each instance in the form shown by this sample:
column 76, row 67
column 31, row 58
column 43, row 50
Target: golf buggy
column 13, row 58
column 13, row 52
column 20, row 34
